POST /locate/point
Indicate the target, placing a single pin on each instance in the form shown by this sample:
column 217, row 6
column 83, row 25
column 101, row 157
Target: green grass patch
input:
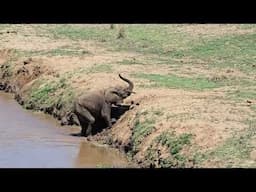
column 173, row 81
column 247, row 26
column 239, row 146
column 139, row 38
column 253, row 107
column 6, row 70
column 235, row 51
column 243, row 94
column 100, row 33
column 103, row 166
column 144, row 126
column 48, row 93
column 174, row 144
column 168, row 41
column 65, row 51
column 107, row 68
column 199, row 158
column 236, row 148
column 131, row 62
column 158, row 112
column 5, row 26
column 141, row 130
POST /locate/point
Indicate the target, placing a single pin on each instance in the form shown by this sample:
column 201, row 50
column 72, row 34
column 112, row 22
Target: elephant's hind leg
column 86, row 120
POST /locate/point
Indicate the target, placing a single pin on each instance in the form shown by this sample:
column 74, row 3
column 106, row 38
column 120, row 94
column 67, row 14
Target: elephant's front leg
column 106, row 114
column 86, row 128
column 89, row 130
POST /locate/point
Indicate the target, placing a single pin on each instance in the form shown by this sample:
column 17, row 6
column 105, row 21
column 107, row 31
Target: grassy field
column 196, row 84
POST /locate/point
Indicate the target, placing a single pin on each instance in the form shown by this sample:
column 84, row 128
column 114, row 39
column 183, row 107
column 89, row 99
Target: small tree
column 121, row 33
column 112, row 26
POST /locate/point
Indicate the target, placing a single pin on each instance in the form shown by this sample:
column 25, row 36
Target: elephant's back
column 94, row 96
column 92, row 101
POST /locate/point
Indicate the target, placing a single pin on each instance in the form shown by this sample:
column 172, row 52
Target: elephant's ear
column 115, row 92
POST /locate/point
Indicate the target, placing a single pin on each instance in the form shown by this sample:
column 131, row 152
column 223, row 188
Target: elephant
column 96, row 105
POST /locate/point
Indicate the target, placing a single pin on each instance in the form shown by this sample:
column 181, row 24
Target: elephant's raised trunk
column 128, row 81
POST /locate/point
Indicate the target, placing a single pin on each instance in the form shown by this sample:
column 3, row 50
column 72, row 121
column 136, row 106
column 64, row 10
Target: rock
column 248, row 102
column 2, row 32
column 36, row 71
column 48, row 110
column 89, row 138
column 59, row 106
column 11, row 32
column 30, row 106
column 8, row 89
column 22, row 70
column 113, row 120
column 55, row 112
column 2, row 86
column 18, row 98
column 229, row 71
column 64, row 121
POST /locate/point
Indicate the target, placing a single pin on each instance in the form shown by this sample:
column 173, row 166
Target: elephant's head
column 113, row 96
column 126, row 91
column 116, row 95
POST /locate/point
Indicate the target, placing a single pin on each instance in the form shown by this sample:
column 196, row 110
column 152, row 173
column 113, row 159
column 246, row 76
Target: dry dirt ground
column 209, row 117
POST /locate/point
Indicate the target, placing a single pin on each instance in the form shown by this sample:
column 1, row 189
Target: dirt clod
column 29, row 60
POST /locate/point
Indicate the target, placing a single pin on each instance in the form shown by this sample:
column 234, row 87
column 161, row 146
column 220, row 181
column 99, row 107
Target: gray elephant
column 96, row 105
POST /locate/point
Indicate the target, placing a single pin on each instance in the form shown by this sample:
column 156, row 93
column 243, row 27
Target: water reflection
column 92, row 155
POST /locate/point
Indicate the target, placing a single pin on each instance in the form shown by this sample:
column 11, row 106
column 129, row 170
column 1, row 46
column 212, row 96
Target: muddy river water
column 35, row 140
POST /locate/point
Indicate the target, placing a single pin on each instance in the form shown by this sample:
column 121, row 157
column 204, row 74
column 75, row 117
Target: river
column 35, row 140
